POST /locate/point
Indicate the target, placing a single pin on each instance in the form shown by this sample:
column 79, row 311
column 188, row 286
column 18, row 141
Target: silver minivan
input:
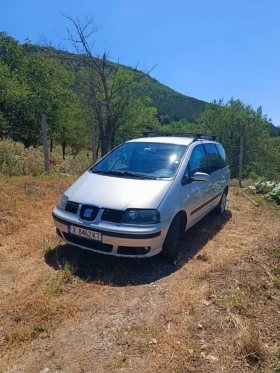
column 142, row 196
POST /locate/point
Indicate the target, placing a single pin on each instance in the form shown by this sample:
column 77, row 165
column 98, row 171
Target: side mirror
column 201, row 176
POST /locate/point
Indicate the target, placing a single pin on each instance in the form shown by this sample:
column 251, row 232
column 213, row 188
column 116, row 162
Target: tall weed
column 15, row 160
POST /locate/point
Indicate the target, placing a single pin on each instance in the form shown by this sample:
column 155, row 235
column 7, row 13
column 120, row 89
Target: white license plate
column 86, row 233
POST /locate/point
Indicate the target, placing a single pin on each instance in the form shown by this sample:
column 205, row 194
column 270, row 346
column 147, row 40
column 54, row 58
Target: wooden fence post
column 93, row 144
column 241, row 161
column 45, row 143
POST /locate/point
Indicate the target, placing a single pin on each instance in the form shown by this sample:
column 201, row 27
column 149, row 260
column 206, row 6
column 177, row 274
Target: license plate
column 86, row 233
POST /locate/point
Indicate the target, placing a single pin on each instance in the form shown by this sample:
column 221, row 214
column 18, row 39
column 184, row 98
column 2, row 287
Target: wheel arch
column 182, row 219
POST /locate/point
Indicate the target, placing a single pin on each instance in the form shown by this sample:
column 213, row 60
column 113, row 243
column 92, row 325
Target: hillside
column 38, row 79
column 171, row 103
column 167, row 101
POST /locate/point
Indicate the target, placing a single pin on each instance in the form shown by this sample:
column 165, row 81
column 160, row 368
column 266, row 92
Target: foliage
column 131, row 115
column 34, row 81
column 110, row 89
column 78, row 92
column 16, row 160
column 182, row 126
column 274, row 195
column 138, row 117
column 270, row 189
column 170, row 103
column 32, row 84
column 232, row 120
column 262, row 187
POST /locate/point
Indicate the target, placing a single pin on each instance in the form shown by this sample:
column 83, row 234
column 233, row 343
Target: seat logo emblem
column 87, row 213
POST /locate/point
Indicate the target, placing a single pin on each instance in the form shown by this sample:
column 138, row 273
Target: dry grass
column 15, row 160
column 29, row 305
column 234, row 300
column 248, row 343
column 215, row 310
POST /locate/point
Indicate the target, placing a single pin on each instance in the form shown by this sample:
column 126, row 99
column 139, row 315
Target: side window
column 213, row 157
column 222, row 154
column 197, row 162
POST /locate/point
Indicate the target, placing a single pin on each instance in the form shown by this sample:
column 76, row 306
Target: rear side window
column 222, row 154
column 214, row 158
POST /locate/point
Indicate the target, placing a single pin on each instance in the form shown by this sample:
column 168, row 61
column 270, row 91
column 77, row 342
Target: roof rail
column 205, row 137
column 195, row 136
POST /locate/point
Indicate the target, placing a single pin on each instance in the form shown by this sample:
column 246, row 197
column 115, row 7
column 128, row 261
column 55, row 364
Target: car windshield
column 142, row 160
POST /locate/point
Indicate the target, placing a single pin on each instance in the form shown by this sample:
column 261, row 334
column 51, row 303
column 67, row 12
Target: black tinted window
column 213, row 157
column 222, row 154
column 198, row 162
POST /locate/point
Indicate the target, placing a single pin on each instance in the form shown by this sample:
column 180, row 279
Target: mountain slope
column 171, row 103
column 167, row 101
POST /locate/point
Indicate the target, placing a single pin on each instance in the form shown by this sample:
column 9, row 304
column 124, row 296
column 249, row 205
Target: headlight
column 135, row 216
column 62, row 202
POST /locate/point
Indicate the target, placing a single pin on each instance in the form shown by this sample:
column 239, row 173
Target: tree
column 182, row 126
column 71, row 127
column 110, row 90
column 31, row 84
column 232, row 120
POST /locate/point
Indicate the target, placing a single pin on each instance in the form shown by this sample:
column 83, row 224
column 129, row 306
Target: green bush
column 270, row 189
column 274, row 195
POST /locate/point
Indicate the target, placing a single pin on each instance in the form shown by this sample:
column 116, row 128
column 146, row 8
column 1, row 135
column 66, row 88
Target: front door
column 197, row 193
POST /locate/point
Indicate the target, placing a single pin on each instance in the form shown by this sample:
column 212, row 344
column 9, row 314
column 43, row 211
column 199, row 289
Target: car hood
column 118, row 193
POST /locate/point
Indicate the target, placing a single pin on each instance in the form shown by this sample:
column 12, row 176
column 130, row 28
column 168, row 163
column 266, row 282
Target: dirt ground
column 62, row 309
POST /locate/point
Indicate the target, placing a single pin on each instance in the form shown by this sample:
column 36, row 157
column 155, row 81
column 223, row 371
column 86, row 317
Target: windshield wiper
column 124, row 173
column 136, row 174
column 98, row 171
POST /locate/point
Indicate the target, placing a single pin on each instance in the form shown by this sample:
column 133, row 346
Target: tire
column 221, row 208
column 170, row 245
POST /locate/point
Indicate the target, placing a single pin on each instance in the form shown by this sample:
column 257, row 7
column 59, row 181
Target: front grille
column 90, row 244
column 114, row 216
column 127, row 250
column 72, row 207
column 89, row 212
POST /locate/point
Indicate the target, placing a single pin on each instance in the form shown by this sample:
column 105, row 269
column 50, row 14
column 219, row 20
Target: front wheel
column 221, row 208
column 170, row 245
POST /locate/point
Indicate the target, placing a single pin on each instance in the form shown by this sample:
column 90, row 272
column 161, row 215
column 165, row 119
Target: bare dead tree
column 108, row 96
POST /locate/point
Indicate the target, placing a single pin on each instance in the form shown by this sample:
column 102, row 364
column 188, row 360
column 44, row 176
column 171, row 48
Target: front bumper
column 117, row 239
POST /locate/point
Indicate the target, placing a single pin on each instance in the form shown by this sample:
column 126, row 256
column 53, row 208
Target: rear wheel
column 170, row 245
column 221, row 208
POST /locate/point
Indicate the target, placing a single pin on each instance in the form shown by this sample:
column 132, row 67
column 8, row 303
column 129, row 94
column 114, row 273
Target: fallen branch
column 249, row 198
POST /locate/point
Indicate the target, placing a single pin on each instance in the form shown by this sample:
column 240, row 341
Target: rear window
column 223, row 156
column 213, row 156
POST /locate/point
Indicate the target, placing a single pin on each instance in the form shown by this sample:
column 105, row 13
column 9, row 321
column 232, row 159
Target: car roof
column 165, row 140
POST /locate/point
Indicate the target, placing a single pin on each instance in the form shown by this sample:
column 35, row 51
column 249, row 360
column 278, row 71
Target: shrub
column 15, row 160
column 270, row 189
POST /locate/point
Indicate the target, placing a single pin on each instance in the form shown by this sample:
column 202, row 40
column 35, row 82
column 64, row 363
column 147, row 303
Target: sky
column 207, row 49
